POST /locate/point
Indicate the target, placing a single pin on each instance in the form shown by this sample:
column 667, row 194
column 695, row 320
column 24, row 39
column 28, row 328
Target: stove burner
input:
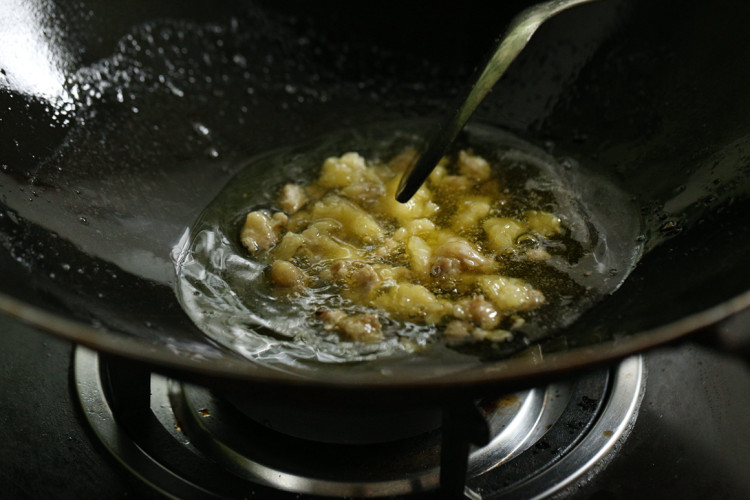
column 185, row 441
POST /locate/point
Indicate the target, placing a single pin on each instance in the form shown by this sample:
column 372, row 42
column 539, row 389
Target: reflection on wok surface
column 136, row 121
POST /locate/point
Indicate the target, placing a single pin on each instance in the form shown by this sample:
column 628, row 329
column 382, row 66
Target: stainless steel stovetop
column 689, row 437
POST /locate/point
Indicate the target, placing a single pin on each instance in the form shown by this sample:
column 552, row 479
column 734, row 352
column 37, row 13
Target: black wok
column 121, row 121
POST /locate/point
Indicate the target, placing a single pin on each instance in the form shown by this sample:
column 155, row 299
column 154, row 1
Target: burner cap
column 184, row 440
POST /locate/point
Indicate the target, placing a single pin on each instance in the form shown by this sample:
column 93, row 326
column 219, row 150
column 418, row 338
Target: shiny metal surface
column 690, row 440
column 610, row 429
column 517, row 427
column 206, row 430
column 99, row 414
column 202, row 419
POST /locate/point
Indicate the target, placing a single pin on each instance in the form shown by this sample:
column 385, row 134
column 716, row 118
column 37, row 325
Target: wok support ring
column 185, row 442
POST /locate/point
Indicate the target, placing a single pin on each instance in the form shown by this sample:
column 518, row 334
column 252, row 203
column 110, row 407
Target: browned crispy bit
column 365, row 279
column 446, row 267
column 461, row 250
column 478, row 311
column 363, row 327
column 330, row 317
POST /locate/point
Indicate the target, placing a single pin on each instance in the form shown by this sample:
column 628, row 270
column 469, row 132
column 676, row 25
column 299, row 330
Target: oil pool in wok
column 121, row 124
column 225, row 291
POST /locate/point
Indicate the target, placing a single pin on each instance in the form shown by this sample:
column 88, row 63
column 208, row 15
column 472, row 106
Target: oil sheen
column 225, row 291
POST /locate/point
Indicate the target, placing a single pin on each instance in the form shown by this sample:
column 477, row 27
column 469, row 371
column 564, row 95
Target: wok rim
column 160, row 358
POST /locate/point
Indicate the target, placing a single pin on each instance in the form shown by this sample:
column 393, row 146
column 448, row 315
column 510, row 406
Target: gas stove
column 670, row 422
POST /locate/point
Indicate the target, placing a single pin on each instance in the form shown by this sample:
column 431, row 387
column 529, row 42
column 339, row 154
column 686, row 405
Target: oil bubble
column 201, row 129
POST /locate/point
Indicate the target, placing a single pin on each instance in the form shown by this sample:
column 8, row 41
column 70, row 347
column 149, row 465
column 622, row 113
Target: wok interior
column 148, row 110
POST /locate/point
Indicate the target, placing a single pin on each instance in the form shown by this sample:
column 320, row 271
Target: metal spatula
column 520, row 31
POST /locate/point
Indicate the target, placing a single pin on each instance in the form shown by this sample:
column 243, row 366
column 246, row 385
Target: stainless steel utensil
column 520, row 31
